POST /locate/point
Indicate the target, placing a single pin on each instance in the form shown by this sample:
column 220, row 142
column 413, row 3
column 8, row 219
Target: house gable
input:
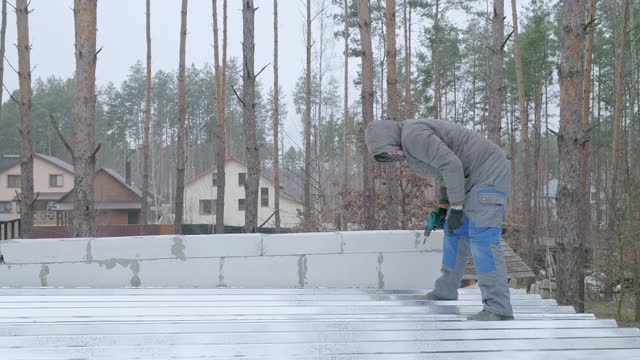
column 201, row 188
column 43, row 168
column 107, row 188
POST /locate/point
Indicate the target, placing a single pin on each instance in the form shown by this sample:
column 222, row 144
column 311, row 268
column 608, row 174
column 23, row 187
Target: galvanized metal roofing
column 294, row 324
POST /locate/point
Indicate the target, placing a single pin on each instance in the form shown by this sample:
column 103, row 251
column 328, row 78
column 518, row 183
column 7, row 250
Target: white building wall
column 202, row 189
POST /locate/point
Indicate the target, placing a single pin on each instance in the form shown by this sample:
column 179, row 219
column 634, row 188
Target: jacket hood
column 382, row 136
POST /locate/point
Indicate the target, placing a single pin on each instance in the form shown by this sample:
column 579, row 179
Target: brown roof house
column 116, row 202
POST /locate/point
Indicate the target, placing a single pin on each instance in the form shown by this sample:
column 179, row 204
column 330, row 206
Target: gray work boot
column 433, row 297
column 486, row 315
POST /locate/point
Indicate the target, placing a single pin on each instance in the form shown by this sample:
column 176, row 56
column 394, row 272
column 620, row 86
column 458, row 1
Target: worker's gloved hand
column 455, row 220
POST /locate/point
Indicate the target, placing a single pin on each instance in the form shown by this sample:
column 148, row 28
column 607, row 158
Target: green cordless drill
column 435, row 220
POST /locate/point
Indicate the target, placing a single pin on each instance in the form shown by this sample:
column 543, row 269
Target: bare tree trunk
column 147, row 125
column 547, row 156
column 571, row 247
column 249, row 117
column 617, row 115
column 408, row 109
column 276, row 117
column 525, row 199
column 84, row 154
column 585, row 204
column 435, row 53
column 3, row 33
column 219, row 181
column 537, row 133
column 307, row 127
column 392, row 111
column 496, row 80
column 182, row 112
column 599, row 171
column 26, row 143
column 512, row 152
column 367, row 112
column 347, row 143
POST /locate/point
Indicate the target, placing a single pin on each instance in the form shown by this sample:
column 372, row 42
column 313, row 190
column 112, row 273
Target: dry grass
column 607, row 310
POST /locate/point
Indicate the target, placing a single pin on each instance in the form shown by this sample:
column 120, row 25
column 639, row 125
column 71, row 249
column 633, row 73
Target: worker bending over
column 474, row 176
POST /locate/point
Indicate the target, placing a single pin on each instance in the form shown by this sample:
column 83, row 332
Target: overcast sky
column 121, row 34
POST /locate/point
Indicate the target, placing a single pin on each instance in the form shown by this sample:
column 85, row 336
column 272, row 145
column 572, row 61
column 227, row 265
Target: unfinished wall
column 365, row 259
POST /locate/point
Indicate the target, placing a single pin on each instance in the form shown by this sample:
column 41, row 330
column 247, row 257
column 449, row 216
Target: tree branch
column 95, row 152
column 553, row 132
column 593, row 127
column 260, row 72
column 10, row 64
column 506, row 40
column 54, row 124
column 10, row 94
column 590, row 25
column 238, row 96
column 35, row 198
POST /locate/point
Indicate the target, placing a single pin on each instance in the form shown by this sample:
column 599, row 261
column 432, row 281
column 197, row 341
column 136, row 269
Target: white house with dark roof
column 200, row 195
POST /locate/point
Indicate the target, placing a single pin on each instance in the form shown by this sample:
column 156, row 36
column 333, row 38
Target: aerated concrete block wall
column 363, row 259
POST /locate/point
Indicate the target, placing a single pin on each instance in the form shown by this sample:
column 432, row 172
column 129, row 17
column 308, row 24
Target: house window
column 14, row 181
column 241, row 206
column 5, row 207
column 264, row 197
column 56, row 181
column 207, row 207
column 134, row 217
column 242, row 179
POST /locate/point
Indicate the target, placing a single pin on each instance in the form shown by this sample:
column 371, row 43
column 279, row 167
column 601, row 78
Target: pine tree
column 392, row 110
column 26, row 141
column 525, row 190
column 3, row 33
column 276, row 118
column 249, row 117
column 182, row 113
column 496, row 78
column 219, row 181
column 308, row 203
column 571, row 248
column 147, row 123
column 85, row 150
column 367, row 111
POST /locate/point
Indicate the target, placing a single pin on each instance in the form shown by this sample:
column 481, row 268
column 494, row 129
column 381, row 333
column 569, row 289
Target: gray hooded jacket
column 457, row 157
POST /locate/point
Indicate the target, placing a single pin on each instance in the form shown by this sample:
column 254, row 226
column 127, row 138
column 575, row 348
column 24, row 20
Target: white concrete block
column 302, row 244
column 435, row 241
column 411, row 270
column 342, row 271
column 199, row 273
column 20, row 275
column 222, row 245
column 109, row 274
column 43, row 250
column 135, row 247
column 384, row 241
column 261, row 272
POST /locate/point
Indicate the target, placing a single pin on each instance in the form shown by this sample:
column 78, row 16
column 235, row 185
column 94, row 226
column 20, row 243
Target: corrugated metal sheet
column 294, row 324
